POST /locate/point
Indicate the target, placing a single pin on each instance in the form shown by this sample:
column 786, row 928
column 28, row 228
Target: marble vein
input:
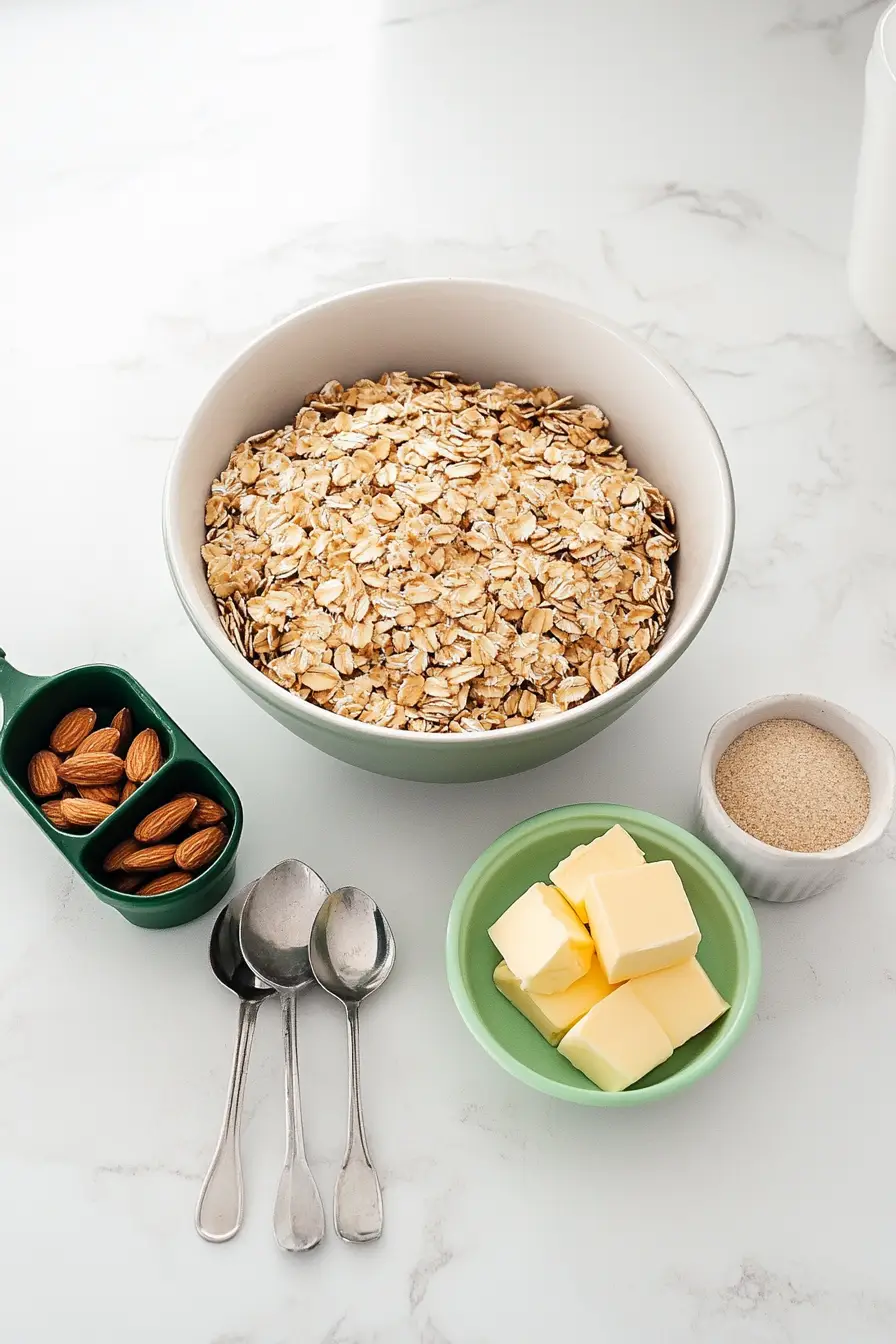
column 801, row 19
column 435, row 1257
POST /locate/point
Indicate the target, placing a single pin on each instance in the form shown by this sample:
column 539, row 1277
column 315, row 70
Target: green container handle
column 15, row 686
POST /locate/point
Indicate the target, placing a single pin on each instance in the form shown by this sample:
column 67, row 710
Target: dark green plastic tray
column 32, row 708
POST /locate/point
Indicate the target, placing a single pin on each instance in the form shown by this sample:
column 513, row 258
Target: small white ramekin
column 777, row 874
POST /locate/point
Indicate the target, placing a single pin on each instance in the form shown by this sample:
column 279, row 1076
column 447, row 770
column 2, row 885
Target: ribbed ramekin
column 771, row 874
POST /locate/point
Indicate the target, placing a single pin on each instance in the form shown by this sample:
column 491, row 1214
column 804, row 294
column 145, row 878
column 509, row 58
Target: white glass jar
column 872, row 250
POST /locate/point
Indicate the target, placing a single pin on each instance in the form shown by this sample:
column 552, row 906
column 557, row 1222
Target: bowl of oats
column 448, row 530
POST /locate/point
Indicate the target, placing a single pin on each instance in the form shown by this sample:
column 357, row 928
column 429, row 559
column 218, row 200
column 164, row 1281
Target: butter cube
column 617, row 1042
column 641, row 920
column 682, row 998
column 544, row 943
column 616, row 849
column 554, row 1014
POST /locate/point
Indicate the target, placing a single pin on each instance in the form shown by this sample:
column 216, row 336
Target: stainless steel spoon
column 219, row 1211
column 275, row 928
column 352, row 952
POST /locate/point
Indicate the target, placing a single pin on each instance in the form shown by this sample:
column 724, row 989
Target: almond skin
column 104, row 739
column 128, row 883
column 71, row 731
column 124, row 722
column 164, row 821
column 100, row 793
column 84, row 811
column 96, row 767
column 168, row 882
column 114, row 860
column 43, row 774
column 200, row 848
column 53, row 813
column 144, row 756
column 127, row 789
column 152, row 859
column 207, row 813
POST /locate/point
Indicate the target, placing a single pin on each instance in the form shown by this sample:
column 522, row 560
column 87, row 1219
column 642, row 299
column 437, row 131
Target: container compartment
column 179, row 776
column 105, row 690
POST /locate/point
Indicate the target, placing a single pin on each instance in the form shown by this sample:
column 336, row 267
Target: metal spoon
column 219, row 1211
column 352, row 952
column 274, row 931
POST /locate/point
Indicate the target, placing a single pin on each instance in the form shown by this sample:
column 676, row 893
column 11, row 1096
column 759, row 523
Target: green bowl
column 729, row 950
column 32, row 705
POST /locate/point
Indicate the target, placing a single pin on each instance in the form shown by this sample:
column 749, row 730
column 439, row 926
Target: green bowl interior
column 729, row 949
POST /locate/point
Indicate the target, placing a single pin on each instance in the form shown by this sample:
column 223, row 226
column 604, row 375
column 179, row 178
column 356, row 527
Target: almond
column 207, row 811
column 164, row 821
column 127, row 789
column 43, row 774
column 71, row 731
column 152, row 859
column 104, row 739
column 144, row 756
column 53, row 813
column 114, row 860
column 128, row 883
column 100, row 793
column 97, row 767
column 84, row 811
column 168, row 882
column 200, row 848
column 124, row 722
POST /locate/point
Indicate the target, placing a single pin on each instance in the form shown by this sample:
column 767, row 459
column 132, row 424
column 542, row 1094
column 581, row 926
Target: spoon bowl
column 226, row 956
column 276, row 922
column 352, row 948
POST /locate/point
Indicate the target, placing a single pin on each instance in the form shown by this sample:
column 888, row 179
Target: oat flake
column 429, row 554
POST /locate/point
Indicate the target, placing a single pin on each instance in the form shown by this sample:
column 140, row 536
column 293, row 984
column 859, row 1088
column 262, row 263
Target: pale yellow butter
column 617, row 1042
column 641, row 920
column 554, row 1014
column 682, row 998
column 543, row 941
column 616, row 849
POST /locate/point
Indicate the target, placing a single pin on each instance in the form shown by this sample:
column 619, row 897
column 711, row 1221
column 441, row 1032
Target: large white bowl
column 485, row 331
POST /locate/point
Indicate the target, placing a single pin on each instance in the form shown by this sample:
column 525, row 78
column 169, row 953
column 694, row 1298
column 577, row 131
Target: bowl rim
column 736, row 1021
column 277, row 698
column 787, row 705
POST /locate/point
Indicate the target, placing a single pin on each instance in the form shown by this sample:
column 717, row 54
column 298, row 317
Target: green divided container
column 32, row 708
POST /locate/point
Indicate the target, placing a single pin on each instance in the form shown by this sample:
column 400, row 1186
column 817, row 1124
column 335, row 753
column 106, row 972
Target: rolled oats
column 430, row 554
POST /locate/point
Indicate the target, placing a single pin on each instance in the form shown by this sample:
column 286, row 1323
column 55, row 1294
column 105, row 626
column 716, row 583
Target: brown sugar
column 794, row 786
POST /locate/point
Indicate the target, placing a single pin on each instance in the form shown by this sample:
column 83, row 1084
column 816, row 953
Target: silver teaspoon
column 219, row 1212
column 275, row 928
column 352, row 952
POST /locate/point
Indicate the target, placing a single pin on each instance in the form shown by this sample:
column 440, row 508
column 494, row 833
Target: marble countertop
column 176, row 175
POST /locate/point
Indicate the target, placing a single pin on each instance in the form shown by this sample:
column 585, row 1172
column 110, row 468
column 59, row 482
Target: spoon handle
column 358, row 1201
column 298, row 1211
column 219, row 1211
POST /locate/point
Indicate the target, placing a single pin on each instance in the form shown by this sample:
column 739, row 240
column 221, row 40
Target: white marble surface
column 175, row 175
